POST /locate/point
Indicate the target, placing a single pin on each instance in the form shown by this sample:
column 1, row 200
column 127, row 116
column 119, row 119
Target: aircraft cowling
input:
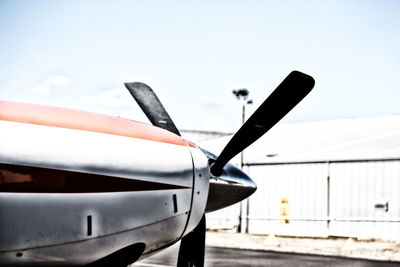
column 201, row 174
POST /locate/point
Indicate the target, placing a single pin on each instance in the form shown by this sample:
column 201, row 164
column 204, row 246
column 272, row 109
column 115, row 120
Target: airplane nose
column 230, row 187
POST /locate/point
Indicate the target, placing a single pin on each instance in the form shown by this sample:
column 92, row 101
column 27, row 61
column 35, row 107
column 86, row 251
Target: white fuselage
column 78, row 226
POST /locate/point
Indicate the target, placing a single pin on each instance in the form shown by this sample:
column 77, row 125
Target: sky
column 78, row 54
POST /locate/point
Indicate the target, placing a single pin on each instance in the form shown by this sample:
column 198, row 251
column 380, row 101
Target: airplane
column 83, row 189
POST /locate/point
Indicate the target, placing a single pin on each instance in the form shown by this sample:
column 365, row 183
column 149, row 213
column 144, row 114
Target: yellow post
column 284, row 209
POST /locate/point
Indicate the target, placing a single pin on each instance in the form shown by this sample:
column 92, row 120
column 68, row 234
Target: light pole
column 242, row 94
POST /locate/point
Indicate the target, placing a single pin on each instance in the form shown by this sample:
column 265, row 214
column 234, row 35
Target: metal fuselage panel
column 95, row 153
column 78, row 228
column 201, row 172
column 56, row 234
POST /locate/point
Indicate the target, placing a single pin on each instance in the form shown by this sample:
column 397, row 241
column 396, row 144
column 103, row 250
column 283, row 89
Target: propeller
column 283, row 99
column 191, row 251
column 228, row 185
column 151, row 106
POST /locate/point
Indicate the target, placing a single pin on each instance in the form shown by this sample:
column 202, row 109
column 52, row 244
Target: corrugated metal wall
column 357, row 198
column 304, row 188
column 365, row 199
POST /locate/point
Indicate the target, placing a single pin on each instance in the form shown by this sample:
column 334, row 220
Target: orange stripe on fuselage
column 86, row 121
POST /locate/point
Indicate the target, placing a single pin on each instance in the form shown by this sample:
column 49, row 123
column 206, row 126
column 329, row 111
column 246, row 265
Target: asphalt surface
column 224, row 257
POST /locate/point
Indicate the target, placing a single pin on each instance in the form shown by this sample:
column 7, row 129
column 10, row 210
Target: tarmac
column 225, row 249
column 352, row 248
column 233, row 257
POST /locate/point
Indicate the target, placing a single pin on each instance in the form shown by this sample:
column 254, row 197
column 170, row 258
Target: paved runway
column 224, row 257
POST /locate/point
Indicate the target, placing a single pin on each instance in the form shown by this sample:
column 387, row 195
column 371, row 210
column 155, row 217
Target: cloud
column 32, row 89
column 41, row 89
column 217, row 123
column 57, row 81
column 50, row 83
column 210, row 105
column 114, row 98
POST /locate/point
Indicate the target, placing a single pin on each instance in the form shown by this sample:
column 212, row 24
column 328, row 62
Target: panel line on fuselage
column 27, row 179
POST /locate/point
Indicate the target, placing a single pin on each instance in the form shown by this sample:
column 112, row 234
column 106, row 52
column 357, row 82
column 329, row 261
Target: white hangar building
column 319, row 179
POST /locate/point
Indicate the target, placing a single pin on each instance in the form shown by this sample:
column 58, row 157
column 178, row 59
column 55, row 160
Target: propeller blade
column 151, row 106
column 191, row 251
column 285, row 97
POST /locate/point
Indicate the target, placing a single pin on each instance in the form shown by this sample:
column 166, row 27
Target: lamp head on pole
column 241, row 93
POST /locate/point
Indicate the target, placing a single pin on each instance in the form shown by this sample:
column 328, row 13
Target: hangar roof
column 347, row 139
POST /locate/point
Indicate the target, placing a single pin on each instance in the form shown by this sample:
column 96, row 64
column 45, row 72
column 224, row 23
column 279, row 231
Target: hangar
column 320, row 179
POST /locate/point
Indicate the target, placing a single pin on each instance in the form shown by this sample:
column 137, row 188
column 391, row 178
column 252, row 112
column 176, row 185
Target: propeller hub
column 229, row 187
